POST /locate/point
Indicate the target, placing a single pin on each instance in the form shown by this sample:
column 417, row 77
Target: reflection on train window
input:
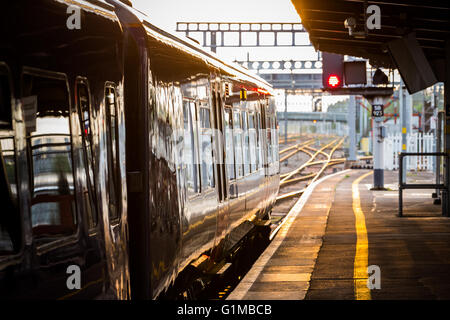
column 10, row 226
column 190, row 156
column 259, row 155
column 114, row 184
column 53, row 211
column 246, row 149
column 84, row 111
column 207, row 169
column 274, row 139
column 229, row 150
column 269, row 138
column 252, row 138
column 237, row 135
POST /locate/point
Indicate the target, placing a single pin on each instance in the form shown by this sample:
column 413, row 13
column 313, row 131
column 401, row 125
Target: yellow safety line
column 360, row 276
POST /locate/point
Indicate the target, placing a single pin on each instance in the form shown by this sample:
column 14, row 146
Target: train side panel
column 58, row 95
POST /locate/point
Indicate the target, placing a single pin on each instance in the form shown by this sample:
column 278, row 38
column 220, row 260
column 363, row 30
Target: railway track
column 294, row 182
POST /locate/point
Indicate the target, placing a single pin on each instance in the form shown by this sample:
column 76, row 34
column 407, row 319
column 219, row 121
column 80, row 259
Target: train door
column 264, row 145
column 54, row 210
column 219, row 156
column 265, row 134
column 12, row 253
column 229, row 153
column 114, row 227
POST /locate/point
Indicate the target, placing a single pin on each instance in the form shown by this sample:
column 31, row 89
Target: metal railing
column 438, row 186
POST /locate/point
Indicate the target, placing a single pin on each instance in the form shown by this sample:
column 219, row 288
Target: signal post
column 341, row 77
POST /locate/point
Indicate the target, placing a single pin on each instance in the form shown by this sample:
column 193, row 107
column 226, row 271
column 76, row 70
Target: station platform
column 338, row 229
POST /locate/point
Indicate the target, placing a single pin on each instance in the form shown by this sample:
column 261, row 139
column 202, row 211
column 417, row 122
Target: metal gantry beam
column 277, row 34
column 310, row 82
column 281, row 64
column 311, row 116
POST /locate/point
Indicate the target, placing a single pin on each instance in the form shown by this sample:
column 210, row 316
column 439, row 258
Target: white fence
column 416, row 142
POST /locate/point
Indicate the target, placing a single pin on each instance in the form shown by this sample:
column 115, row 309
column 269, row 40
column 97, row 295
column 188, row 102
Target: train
column 129, row 155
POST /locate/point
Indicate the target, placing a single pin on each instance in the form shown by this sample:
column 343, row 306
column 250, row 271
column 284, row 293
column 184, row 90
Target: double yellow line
column 360, row 275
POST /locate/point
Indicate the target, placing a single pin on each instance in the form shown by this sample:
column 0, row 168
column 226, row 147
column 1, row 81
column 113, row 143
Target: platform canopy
column 429, row 20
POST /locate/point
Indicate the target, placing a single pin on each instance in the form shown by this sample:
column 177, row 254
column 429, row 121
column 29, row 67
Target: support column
column 285, row 116
column 437, row 170
column 213, row 41
column 403, row 116
column 364, row 118
column 445, row 196
column 378, row 149
column 361, row 115
column 351, row 121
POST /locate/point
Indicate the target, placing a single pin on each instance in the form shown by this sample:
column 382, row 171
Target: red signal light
column 333, row 81
column 262, row 91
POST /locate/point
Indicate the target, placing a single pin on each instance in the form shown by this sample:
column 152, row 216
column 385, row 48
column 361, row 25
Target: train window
column 114, row 184
column 259, row 155
column 269, row 139
column 246, row 147
column 207, row 168
column 237, row 135
column 252, row 139
column 190, row 156
column 10, row 225
column 83, row 103
column 46, row 107
column 229, row 150
column 274, row 139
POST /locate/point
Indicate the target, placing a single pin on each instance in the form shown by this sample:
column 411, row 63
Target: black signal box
column 355, row 72
column 332, row 70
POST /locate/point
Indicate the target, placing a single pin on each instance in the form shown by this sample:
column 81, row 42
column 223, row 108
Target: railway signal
column 337, row 73
column 332, row 70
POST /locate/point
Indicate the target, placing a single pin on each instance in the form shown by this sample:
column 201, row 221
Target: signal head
column 334, row 81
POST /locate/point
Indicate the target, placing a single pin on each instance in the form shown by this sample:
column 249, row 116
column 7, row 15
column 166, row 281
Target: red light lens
column 263, row 91
column 333, row 81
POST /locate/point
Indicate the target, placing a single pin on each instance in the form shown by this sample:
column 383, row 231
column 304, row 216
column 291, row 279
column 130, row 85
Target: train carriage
column 125, row 151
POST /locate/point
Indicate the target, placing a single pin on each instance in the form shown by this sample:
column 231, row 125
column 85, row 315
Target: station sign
column 377, row 110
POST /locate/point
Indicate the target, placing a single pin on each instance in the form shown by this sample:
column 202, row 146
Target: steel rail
column 307, row 162
column 329, row 161
column 298, row 148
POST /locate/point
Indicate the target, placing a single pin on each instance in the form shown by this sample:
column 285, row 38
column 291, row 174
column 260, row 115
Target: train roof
column 211, row 58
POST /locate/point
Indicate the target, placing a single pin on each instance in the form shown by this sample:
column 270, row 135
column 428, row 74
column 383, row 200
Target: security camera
column 350, row 24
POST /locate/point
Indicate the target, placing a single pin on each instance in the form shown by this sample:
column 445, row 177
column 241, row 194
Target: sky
column 166, row 13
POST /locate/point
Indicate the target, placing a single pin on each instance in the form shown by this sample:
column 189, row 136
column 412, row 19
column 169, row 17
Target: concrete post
column 351, row 121
column 378, row 149
column 440, row 118
column 403, row 116
column 285, row 116
column 363, row 117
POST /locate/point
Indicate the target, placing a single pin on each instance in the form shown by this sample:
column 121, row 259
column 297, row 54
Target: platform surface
column 342, row 227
